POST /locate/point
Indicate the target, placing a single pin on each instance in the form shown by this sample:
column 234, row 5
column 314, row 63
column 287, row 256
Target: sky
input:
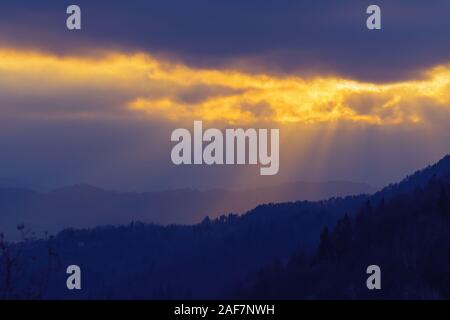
column 98, row 105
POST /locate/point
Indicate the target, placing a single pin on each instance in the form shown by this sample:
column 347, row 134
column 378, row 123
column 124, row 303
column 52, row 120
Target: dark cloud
column 366, row 104
column 281, row 36
column 43, row 144
column 198, row 93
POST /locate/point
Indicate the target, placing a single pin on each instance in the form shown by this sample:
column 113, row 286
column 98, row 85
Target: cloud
column 106, row 119
column 119, row 84
column 298, row 37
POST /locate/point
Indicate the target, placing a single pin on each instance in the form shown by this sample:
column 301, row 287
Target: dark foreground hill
column 403, row 228
column 200, row 261
column 408, row 237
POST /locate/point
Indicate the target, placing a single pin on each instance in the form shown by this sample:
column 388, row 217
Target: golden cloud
column 159, row 88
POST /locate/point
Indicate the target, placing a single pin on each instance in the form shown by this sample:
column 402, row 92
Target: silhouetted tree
column 326, row 250
column 443, row 202
column 342, row 235
column 16, row 280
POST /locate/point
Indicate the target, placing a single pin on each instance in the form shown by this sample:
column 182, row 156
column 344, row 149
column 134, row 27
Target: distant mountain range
column 83, row 206
column 404, row 227
column 225, row 257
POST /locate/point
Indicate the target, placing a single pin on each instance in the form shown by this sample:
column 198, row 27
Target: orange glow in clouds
column 175, row 92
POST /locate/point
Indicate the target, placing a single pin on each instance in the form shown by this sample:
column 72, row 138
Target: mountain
column 419, row 179
column 407, row 237
column 83, row 206
column 205, row 260
column 298, row 249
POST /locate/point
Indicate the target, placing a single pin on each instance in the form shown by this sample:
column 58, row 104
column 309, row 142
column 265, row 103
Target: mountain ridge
column 209, row 259
column 84, row 205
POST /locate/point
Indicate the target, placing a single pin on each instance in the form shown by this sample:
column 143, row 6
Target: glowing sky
column 175, row 92
column 99, row 107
